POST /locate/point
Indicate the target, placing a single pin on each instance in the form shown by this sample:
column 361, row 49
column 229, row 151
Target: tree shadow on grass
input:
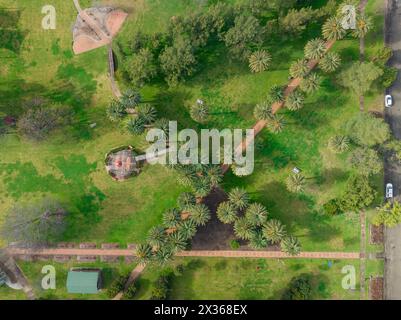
column 182, row 287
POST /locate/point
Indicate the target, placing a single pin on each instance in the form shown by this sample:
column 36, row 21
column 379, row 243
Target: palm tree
column 186, row 175
column 291, row 245
column 259, row 61
column 295, row 182
column 315, row 49
column 144, row 252
column 202, row 187
column 256, row 214
column 295, row 101
column 162, row 124
column 199, row 112
column 147, row 113
column 171, row 218
column 116, row 111
column 338, row 144
column 274, row 231
column 333, row 29
column 136, row 125
column 276, row 124
column 156, row 236
column 186, row 200
column 276, row 93
column 238, row 198
column 241, row 170
column 187, row 229
column 299, row 68
column 131, row 98
column 243, row 229
column 164, row 255
column 330, row 62
column 310, row 83
column 226, row 212
column 177, row 241
column 214, row 174
column 363, row 25
column 200, row 214
column 258, row 241
column 263, row 111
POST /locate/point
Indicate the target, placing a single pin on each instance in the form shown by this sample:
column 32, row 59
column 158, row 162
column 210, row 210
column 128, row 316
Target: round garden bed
column 121, row 164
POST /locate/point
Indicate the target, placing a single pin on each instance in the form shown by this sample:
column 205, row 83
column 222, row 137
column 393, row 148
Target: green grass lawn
column 217, row 278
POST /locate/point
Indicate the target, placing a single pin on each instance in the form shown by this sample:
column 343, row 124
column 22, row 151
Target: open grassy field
column 216, row 278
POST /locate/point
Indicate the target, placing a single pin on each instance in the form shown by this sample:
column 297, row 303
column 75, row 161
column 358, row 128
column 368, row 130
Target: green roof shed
column 83, row 281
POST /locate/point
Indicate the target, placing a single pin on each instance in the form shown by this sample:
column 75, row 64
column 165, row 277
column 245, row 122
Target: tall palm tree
column 256, row 214
column 333, row 29
column 186, row 200
column 226, row 212
column 257, row 241
column 363, row 25
column 315, row 49
column 243, row 229
column 330, row 62
column 199, row 112
column 295, row 183
column 299, row 68
column 156, row 236
column 295, row 101
column 131, row 98
column 259, row 61
column 291, row 245
column 177, row 241
column 200, row 214
column 187, row 229
column 171, row 218
column 263, row 111
column 241, row 170
column 164, row 255
column 276, row 93
column 310, row 83
column 162, row 124
column 144, row 252
column 214, row 174
column 147, row 113
column 239, row 198
column 202, row 187
column 136, row 125
column 274, row 231
column 338, row 144
column 116, row 111
column 276, row 124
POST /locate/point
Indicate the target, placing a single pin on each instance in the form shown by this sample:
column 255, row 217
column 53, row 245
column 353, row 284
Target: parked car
column 389, row 190
column 388, row 100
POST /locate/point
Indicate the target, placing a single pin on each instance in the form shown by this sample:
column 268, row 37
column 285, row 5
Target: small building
column 86, row 281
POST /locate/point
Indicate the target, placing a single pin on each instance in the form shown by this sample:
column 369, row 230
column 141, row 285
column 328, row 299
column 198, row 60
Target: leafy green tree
column 143, row 252
column 315, row 49
column 367, row 130
column 299, row 288
column 274, row 231
column 257, row 240
column 256, row 214
column 389, row 76
column 199, row 112
column 338, row 144
column 291, row 245
column 156, row 236
column 276, row 93
column 116, row 111
column 141, row 67
column 239, row 198
column 147, row 112
column 363, row 25
column 299, row 68
column 330, row 62
column 389, row 215
column 136, row 125
column 178, row 61
column 295, row 183
column 295, row 21
column 366, row 161
column 245, row 34
column 333, row 29
column 171, row 218
column 200, row 214
column 259, row 61
column 243, row 229
column 226, row 212
column 358, row 194
column 186, row 200
column 295, row 101
column 311, row 83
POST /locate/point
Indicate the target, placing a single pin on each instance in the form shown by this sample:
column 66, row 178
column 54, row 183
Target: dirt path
column 133, row 276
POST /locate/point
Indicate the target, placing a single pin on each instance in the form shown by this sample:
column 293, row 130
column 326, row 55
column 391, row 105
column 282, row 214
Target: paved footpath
column 192, row 253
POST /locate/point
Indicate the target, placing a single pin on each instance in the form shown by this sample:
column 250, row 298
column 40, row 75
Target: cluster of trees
column 162, row 285
column 251, row 223
column 135, row 115
column 179, row 226
column 35, row 224
column 388, row 214
column 299, row 288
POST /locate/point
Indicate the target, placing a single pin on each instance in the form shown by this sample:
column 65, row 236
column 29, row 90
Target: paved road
column 393, row 171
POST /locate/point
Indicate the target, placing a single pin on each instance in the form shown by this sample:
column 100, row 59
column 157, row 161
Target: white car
column 388, row 100
column 389, row 190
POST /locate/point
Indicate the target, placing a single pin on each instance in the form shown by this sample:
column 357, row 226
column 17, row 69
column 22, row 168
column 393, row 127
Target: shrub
column 299, row 288
column 234, row 244
column 117, row 285
column 129, row 294
column 332, row 207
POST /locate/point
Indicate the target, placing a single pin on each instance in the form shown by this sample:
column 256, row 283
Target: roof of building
column 83, row 281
